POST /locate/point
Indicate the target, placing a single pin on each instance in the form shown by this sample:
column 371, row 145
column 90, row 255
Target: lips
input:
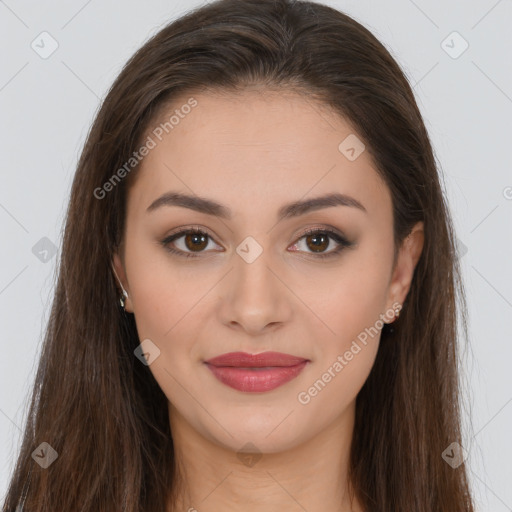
column 256, row 373
column 264, row 359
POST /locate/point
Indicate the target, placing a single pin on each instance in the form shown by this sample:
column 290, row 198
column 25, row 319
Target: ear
column 118, row 267
column 407, row 258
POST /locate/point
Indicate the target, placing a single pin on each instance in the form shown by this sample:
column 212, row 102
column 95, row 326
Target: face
column 252, row 279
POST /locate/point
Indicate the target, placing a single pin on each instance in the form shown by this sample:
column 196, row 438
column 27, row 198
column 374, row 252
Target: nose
column 254, row 296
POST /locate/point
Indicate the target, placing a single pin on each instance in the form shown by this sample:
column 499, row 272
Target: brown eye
column 319, row 242
column 188, row 242
column 196, row 241
column 193, row 242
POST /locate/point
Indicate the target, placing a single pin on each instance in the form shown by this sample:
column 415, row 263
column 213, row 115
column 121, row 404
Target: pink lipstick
column 256, row 373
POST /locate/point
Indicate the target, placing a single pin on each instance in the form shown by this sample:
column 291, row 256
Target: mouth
column 256, row 373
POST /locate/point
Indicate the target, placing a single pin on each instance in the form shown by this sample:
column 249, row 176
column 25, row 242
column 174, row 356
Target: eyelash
column 343, row 242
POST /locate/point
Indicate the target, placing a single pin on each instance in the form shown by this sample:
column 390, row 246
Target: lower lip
column 256, row 381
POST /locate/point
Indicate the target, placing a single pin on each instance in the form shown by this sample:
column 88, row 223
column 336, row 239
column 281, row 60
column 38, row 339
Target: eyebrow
column 294, row 209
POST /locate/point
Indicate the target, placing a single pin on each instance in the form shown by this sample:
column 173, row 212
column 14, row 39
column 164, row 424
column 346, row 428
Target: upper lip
column 245, row 360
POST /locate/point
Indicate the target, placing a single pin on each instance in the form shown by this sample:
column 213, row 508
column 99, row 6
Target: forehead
column 240, row 148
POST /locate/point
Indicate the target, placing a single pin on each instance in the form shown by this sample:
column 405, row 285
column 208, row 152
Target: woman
column 257, row 298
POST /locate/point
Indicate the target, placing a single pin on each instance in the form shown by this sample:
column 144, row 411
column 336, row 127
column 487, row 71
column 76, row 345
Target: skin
column 254, row 153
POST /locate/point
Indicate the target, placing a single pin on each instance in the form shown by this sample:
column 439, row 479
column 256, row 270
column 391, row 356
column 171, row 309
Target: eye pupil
column 196, row 237
column 316, row 243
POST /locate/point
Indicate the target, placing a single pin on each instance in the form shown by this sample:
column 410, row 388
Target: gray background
column 47, row 106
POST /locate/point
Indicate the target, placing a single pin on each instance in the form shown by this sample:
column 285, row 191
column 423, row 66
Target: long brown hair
column 103, row 412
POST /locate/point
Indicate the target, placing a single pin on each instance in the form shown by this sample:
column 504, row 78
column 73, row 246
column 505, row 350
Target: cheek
column 345, row 355
column 167, row 306
column 163, row 294
column 353, row 297
column 350, row 307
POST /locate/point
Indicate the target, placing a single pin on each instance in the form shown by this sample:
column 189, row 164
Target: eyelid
column 332, row 232
column 183, row 231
